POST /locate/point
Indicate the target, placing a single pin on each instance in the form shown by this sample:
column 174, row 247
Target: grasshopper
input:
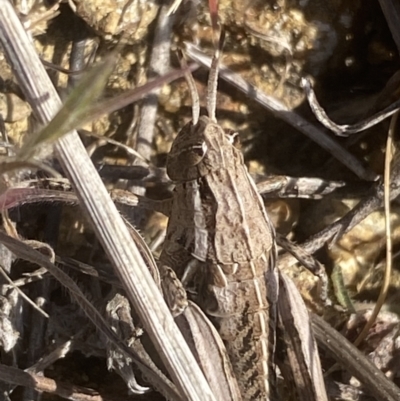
column 221, row 244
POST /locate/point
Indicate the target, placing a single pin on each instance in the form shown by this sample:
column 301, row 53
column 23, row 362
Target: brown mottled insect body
column 221, row 244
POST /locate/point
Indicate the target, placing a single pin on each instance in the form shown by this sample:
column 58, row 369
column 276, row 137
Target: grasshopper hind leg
column 173, row 290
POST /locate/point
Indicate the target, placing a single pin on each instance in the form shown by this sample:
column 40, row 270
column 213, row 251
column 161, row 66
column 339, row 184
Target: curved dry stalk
column 345, row 129
column 289, row 116
column 388, row 267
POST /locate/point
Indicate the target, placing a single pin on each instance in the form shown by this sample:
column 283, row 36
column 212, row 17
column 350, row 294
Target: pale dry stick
column 110, row 229
column 38, row 331
column 289, row 116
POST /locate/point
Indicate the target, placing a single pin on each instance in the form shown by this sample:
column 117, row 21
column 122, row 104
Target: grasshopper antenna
column 213, row 77
column 194, row 94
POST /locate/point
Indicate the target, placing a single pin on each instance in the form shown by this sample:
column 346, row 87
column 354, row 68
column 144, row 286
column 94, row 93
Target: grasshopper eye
column 192, row 155
column 182, row 161
column 188, row 150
